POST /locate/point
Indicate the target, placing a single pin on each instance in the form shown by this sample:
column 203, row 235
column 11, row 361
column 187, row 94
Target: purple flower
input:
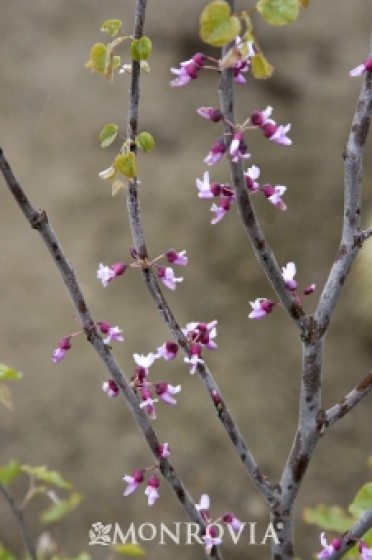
column 328, row 549
column 63, row 346
column 168, row 351
column 189, row 70
column 230, row 519
column 194, row 359
column 203, row 506
column 288, row 273
column 177, row 258
column 133, row 481
column 106, row 273
column 207, row 189
column 365, row 551
column 110, row 388
column 238, row 148
column 165, row 392
column 166, row 275
column 163, row 450
column 216, row 152
column 210, row 113
column 260, row 308
column 278, row 134
column 221, row 208
column 251, row 175
column 211, row 538
column 274, row 195
column 148, row 403
column 152, row 490
column 113, row 333
column 309, row 289
column 365, row 67
column 260, row 118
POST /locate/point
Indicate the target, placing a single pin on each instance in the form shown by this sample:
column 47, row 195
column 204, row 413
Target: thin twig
column 350, row 400
column 18, row 514
column 152, row 285
column 353, row 535
column 39, row 221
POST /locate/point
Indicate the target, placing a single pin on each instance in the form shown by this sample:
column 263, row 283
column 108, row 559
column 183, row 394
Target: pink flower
column 152, row 490
column 133, row 481
column 110, row 388
column 106, row 273
column 328, row 549
column 202, row 333
column 189, row 70
column 211, row 538
column 145, row 361
column 216, row 152
column 166, row 275
column 63, row 346
column 203, row 506
column 309, row 290
column 230, row 519
column 221, row 209
column 166, row 391
column 177, row 258
column 365, row 67
column 274, row 195
column 260, row 308
column 288, row 273
column 251, row 175
column 148, row 403
column 365, row 551
column 210, row 113
column 278, row 134
column 168, row 351
column 163, row 450
column 194, row 359
column 205, row 188
column 113, row 333
column 238, row 148
column 260, row 118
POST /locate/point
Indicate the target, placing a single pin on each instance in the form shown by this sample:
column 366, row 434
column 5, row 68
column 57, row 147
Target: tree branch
column 18, row 514
column 355, row 533
column 350, row 400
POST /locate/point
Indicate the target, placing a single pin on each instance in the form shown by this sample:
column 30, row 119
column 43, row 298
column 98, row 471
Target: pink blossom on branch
column 328, row 549
column 165, row 391
column 366, row 66
column 152, row 490
column 216, row 152
column 110, row 388
column 133, row 481
column 113, row 333
column 63, row 346
column 167, row 276
column 108, row 273
column 260, row 308
column 188, row 70
column 274, row 195
column 168, row 351
column 288, row 273
column 179, row 258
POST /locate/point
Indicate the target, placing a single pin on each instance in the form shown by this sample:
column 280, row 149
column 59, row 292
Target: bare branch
column 351, row 237
column 18, row 514
column 340, row 409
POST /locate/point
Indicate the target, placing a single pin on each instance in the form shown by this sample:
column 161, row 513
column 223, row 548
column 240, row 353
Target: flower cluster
column 199, row 335
column 138, row 476
column 238, row 58
column 271, row 130
column 329, row 549
column 211, row 537
column 226, row 194
column 263, row 306
column 165, row 273
column 112, row 334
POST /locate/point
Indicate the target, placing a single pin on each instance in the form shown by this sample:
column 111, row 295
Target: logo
column 98, row 534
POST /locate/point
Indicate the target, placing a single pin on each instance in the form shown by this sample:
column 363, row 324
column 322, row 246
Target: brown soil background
column 51, row 110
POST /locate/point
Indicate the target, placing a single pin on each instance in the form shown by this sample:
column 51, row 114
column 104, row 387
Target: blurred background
column 51, row 111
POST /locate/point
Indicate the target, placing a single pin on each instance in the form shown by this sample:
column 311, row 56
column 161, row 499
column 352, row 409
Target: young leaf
column 128, row 549
column 62, row 508
column 278, row 12
column 111, row 26
column 42, row 474
column 140, row 49
column 145, row 141
column 7, row 373
column 217, row 26
column 362, row 501
column 108, row 134
column 9, row 472
column 261, row 67
column 126, row 165
column 328, row 518
column 116, row 187
column 99, row 59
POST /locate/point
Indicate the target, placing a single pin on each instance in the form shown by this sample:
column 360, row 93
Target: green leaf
column 278, row 12
column 7, row 373
column 99, row 59
column 362, row 501
column 261, row 67
column 329, row 518
column 111, row 26
column 126, row 165
column 217, row 26
column 57, row 511
column 140, row 49
column 9, row 472
column 42, row 474
column 145, row 141
column 128, row 549
column 108, row 134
